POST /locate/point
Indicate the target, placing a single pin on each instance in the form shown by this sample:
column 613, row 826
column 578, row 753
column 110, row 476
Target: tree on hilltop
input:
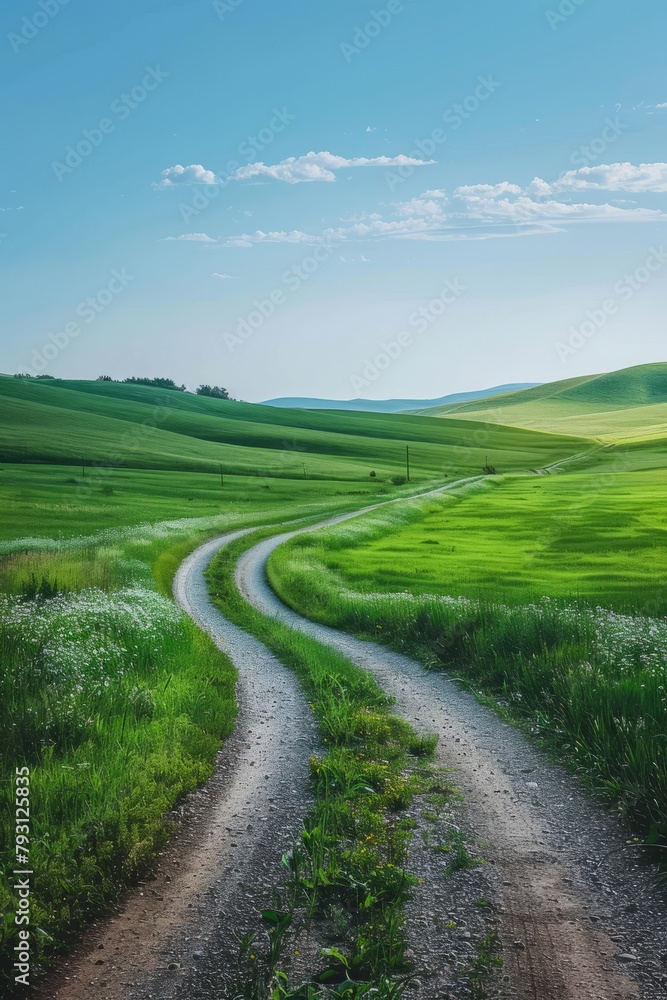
column 216, row 391
column 156, row 383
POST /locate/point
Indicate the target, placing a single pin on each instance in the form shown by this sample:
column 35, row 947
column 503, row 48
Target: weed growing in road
column 485, row 961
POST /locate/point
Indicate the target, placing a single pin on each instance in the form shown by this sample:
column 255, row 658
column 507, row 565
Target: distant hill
column 630, row 403
column 392, row 405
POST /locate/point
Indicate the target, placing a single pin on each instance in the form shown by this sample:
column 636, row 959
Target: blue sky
column 484, row 201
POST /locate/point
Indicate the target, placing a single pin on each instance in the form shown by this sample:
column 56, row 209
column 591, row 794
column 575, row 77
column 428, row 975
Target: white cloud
column 485, row 211
column 362, row 217
column 518, row 207
column 423, row 207
column 280, row 236
column 226, row 277
column 193, row 237
column 646, row 178
column 512, row 204
column 539, row 188
column 194, row 174
column 321, row 167
column 473, row 191
column 294, row 170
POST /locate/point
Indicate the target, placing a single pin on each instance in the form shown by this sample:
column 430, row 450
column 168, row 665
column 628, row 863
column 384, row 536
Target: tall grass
column 585, row 680
column 115, row 701
column 117, row 704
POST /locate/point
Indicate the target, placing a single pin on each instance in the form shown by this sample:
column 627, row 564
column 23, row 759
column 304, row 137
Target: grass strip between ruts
column 352, row 856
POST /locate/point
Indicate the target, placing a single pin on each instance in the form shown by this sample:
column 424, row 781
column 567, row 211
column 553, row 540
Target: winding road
column 578, row 917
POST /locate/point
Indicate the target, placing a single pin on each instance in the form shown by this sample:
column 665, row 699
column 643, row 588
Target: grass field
column 568, row 536
column 548, row 594
column 58, row 502
column 629, row 404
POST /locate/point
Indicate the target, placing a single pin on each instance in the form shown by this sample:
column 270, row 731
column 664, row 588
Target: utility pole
column 222, row 477
column 407, row 461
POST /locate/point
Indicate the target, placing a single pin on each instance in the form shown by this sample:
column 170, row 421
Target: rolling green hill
column 135, row 426
column 616, row 406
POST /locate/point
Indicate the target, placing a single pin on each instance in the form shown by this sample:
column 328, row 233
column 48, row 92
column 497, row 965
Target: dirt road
column 578, row 917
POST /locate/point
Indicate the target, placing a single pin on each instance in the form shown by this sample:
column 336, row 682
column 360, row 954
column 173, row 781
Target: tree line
column 214, row 391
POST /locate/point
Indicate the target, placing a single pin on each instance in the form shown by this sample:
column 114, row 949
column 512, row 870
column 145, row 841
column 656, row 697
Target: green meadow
column 59, row 502
column 578, row 536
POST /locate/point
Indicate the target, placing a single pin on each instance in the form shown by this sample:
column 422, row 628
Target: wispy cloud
column 474, row 211
column 192, row 237
column 488, row 211
column 321, row 167
column 225, row 277
column 514, row 204
column 295, row 236
column 646, row 178
column 294, row 170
